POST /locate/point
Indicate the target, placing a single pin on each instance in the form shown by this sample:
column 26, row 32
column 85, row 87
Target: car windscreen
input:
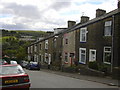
column 6, row 70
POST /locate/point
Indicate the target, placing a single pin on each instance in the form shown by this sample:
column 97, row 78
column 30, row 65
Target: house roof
column 79, row 25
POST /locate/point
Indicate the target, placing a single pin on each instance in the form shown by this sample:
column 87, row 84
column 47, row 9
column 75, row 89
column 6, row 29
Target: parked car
column 3, row 62
column 33, row 66
column 24, row 64
column 13, row 62
column 13, row 76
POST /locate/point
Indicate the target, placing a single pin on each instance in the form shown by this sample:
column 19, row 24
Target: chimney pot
column 84, row 19
column 100, row 12
column 71, row 23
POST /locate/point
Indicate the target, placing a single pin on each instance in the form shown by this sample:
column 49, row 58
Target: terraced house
column 95, row 40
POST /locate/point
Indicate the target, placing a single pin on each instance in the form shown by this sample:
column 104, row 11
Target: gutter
column 112, row 56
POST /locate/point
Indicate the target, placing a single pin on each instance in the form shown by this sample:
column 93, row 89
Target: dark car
column 13, row 76
column 33, row 66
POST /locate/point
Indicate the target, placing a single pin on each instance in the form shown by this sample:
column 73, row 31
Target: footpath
column 103, row 80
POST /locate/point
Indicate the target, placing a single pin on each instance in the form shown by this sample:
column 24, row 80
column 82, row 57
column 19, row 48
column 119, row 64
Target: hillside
column 13, row 46
column 19, row 33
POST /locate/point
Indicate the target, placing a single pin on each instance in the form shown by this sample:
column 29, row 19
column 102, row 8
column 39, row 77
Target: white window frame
column 31, row 49
column 35, row 48
column 35, row 57
column 40, row 46
column 106, row 52
column 108, row 24
column 46, row 55
column 81, row 34
column 46, row 44
column 80, row 49
column 90, row 55
column 28, row 50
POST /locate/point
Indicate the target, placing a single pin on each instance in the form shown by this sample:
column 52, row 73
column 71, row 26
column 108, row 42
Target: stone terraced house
column 88, row 41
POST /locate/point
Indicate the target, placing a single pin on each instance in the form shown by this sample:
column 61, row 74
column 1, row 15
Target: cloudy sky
column 48, row 14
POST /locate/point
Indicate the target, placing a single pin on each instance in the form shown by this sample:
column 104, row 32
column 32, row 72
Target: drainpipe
column 112, row 56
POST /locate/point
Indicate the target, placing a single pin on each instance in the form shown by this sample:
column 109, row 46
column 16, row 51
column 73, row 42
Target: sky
column 45, row 15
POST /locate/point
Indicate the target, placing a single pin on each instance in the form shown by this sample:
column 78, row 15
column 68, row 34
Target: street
column 42, row 79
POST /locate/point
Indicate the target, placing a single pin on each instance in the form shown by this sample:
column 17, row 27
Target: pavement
column 104, row 80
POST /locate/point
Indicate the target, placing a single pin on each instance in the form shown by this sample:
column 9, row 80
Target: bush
column 70, row 69
column 103, row 68
column 93, row 65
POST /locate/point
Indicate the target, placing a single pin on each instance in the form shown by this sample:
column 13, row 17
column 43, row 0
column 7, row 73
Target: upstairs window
column 46, row 44
column 31, row 49
column 28, row 50
column 35, row 48
column 66, row 41
column 55, row 42
column 108, row 28
column 83, row 34
column 40, row 46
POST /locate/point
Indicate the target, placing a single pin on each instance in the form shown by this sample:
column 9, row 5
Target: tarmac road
column 42, row 79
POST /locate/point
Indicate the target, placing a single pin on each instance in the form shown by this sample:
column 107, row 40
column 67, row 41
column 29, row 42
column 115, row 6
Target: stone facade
column 68, row 52
column 88, row 41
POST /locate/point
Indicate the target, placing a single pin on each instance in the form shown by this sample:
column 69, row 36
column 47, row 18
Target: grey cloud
column 18, row 26
column 27, row 11
column 60, row 5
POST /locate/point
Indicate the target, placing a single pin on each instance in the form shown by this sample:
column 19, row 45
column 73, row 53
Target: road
column 42, row 79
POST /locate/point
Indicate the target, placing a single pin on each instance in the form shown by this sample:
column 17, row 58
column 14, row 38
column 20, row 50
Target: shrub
column 103, row 67
column 93, row 65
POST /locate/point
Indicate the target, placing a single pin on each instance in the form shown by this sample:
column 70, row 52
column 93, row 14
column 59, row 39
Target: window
column 66, row 41
column 54, row 42
column 11, row 70
column 108, row 28
column 107, row 55
column 92, row 55
column 35, row 57
column 46, row 58
column 31, row 49
column 83, row 34
column 35, row 48
column 46, row 44
column 40, row 57
column 28, row 50
column 40, row 46
column 82, row 55
column 66, row 57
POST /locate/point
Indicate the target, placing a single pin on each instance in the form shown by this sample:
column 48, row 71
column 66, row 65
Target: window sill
column 82, row 41
column 66, row 62
column 82, row 63
column 107, row 63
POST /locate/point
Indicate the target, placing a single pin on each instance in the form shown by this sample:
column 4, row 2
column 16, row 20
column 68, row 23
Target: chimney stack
column 71, row 23
column 84, row 19
column 118, row 3
column 100, row 12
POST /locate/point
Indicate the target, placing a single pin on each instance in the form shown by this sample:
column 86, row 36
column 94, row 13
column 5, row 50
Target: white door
column 92, row 55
